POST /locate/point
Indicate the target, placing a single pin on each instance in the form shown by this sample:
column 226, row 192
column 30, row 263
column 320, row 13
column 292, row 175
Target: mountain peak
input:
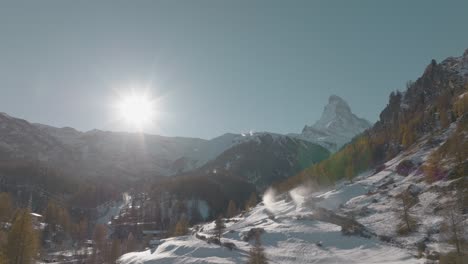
column 336, row 99
column 337, row 125
column 338, row 105
column 336, row 109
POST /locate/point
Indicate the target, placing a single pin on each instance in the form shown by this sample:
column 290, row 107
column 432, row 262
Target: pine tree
column 257, row 252
column 232, row 209
column 22, row 245
column 219, row 227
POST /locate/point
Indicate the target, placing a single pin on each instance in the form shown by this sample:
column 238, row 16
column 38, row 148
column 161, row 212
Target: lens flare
column 137, row 110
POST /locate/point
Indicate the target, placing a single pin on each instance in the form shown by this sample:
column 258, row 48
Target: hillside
column 358, row 222
column 428, row 107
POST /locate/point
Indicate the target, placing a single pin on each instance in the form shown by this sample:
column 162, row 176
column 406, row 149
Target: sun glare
column 137, row 110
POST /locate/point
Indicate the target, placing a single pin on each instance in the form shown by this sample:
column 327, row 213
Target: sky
column 216, row 66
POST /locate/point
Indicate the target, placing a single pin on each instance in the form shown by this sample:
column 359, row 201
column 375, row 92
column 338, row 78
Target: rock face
column 337, row 126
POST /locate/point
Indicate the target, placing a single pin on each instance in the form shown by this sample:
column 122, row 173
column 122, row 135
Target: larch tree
column 232, row 209
column 252, row 202
column 22, row 245
column 454, row 229
column 181, row 228
column 100, row 242
column 6, row 207
column 115, row 251
column 131, row 243
column 407, row 220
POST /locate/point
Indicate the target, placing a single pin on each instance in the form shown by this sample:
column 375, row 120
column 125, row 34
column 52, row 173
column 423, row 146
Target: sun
column 137, row 110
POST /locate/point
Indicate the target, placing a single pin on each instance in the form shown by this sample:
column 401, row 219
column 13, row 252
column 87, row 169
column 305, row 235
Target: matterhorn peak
column 337, row 125
column 337, row 104
column 336, row 99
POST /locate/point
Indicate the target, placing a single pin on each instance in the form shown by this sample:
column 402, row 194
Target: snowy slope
column 287, row 239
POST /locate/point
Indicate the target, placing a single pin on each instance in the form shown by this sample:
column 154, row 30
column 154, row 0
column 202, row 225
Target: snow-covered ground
column 287, row 239
column 293, row 237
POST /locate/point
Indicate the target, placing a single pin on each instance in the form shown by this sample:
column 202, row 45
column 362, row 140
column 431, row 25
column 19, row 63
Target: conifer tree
column 257, row 252
column 22, row 245
column 219, row 227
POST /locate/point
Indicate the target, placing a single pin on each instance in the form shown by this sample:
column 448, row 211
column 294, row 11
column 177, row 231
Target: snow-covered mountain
column 336, row 127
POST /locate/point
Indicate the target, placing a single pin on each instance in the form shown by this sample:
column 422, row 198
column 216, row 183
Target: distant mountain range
column 132, row 155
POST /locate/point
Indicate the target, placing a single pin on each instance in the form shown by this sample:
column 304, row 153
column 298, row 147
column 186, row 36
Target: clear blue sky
column 218, row 66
